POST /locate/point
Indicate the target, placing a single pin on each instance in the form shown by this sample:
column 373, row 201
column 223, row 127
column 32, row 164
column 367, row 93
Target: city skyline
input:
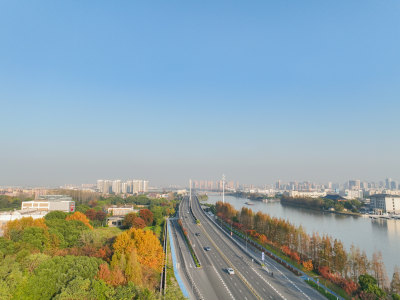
column 176, row 91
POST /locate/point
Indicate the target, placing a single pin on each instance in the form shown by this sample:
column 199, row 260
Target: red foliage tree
column 138, row 223
column 91, row 214
column 350, row 286
column 101, row 216
column 147, row 216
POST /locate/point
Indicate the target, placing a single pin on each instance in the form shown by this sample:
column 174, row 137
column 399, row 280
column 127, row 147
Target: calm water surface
column 369, row 235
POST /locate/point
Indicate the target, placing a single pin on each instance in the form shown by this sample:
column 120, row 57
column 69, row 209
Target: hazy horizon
column 172, row 91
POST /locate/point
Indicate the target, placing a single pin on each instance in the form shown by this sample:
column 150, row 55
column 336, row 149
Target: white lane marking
column 223, row 283
column 292, row 283
column 267, row 282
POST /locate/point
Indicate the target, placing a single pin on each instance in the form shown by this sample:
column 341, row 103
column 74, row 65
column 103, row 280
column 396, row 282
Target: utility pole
column 223, row 188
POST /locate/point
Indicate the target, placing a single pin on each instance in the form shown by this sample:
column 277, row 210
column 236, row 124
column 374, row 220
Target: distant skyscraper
column 100, row 185
column 116, row 186
column 354, row 184
column 393, row 185
column 387, row 183
column 278, row 185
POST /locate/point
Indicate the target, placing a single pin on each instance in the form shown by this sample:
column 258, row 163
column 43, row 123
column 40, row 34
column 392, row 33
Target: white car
column 230, row 271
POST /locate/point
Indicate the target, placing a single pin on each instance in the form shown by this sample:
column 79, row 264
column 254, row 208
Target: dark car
column 197, row 234
column 207, row 248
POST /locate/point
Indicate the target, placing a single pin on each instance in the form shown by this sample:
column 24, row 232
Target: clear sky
column 168, row 90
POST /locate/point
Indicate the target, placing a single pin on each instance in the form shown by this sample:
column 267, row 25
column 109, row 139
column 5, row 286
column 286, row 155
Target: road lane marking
column 223, row 282
column 231, row 265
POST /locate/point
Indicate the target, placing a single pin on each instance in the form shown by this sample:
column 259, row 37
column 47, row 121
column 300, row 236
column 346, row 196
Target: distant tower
column 223, row 188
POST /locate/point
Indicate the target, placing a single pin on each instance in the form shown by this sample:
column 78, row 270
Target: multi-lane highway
column 250, row 280
column 212, row 279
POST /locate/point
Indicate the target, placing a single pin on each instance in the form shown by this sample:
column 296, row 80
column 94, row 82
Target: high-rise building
column 393, row 185
column 387, row 183
column 100, row 185
column 354, row 184
column 116, row 187
column 278, row 185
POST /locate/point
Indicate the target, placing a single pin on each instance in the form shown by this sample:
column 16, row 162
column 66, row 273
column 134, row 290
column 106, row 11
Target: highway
column 250, row 280
column 212, row 279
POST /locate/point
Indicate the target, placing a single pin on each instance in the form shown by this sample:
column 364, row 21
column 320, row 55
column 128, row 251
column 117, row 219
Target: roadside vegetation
column 185, row 235
column 349, row 274
column 75, row 256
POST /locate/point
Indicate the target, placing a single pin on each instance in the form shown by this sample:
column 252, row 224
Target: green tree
column 395, row 284
column 11, row 276
column 368, row 284
column 67, row 232
column 49, row 279
column 36, row 238
column 56, row 215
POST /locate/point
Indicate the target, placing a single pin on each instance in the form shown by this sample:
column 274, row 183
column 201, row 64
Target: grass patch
column 321, row 290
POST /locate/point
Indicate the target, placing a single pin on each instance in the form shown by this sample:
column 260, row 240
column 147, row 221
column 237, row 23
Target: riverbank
column 345, row 213
column 365, row 233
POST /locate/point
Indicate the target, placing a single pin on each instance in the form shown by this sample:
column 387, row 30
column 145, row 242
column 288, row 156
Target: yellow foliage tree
column 21, row 224
column 308, row 265
column 146, row 245
column 78, row 216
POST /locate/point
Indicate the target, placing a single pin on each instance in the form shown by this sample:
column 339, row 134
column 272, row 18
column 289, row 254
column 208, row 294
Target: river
column 369, row 235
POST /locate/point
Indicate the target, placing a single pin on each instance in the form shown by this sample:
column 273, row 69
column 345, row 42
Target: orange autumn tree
column 148, row 248
column 78, row 216
column 20, row 224
column 308, row 265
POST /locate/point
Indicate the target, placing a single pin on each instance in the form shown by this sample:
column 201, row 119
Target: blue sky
column 178, row 89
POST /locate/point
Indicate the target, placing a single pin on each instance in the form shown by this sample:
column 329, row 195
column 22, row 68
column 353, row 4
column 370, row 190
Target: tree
column 148, row 247
column 51, row 276
column 138, row 223
column 113, row 277
column 56, row 215
column 66, row 232
column 36, row 237
column 101, row 216
column 78, row 216
column 339, row 257
column 128, row 220
column 308, row 265
column 147, row 216
column 368, row 285
column 395, row 284
column 378, row 268
column 13, row 228
column 91, row 214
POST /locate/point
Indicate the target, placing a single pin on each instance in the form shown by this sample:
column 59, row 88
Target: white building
column 384, row 203
column 50, row 203
column 352, row 194
column 298, row 194
column 121, row 210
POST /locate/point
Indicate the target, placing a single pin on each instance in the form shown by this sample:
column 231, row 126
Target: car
column 197, row 234
column 207, row 248
column 230, row 271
